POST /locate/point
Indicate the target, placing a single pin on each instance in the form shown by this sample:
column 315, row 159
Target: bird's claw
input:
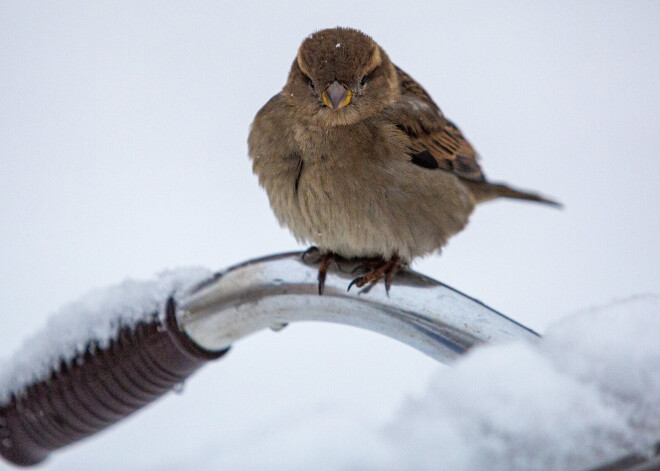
column 326, row 258
column 377, row 269
column 359, row 282
column 384, row 270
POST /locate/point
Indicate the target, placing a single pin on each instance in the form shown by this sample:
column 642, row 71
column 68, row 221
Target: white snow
column 114, row 130
column 588, row 393
column 94, row 318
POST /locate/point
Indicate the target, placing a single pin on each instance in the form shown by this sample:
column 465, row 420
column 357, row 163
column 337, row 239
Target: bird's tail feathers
column 484, row 191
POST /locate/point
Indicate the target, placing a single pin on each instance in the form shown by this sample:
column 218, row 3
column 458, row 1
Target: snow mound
column 95, row 318
column 588, row 393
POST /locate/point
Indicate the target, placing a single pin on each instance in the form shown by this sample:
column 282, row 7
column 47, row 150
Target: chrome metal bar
column 280, row 289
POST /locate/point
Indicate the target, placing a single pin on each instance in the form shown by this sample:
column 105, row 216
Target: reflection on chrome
column 273, row 291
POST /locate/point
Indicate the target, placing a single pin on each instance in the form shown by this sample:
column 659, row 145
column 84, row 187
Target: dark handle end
column 99, row 388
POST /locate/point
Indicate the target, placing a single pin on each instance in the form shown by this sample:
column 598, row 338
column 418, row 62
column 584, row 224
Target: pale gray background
column 123, row 132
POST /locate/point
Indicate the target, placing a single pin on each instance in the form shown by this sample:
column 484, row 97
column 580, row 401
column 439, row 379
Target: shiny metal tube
column 143, row 362
column 273, row 291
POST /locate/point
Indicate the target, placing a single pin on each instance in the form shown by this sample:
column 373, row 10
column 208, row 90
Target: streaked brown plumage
column 357, row 158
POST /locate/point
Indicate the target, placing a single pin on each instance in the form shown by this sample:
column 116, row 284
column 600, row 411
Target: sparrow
column 357, row 159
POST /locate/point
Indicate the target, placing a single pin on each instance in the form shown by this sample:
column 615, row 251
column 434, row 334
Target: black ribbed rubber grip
column 99, row 388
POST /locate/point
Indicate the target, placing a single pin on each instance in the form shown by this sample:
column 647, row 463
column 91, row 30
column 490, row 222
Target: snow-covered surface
column 588, row 393
column 93, row 319
column 123, row 130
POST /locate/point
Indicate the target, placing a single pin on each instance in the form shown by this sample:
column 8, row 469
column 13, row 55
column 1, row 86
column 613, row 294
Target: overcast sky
column 123, row 152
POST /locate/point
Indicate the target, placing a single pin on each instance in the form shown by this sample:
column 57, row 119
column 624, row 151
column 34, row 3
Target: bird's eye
column 310, row 83
column 363, row 81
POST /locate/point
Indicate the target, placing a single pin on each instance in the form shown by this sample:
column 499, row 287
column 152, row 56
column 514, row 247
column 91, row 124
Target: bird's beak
column 336, row 96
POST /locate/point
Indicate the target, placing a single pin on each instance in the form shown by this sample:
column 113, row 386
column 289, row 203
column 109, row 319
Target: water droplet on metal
column 278, row 327
column 179, row 387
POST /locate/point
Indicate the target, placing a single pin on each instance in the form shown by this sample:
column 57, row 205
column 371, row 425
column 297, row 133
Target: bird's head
column 340, row 76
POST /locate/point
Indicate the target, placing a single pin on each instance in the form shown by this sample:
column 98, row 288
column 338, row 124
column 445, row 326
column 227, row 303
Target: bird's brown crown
column 338, row 54
column 340, row 76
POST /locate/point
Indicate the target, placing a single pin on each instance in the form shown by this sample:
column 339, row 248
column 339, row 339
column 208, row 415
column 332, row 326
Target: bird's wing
column 434, row 140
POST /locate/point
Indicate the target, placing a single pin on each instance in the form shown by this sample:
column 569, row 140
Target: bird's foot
column 381, row 270
column 314, row 255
